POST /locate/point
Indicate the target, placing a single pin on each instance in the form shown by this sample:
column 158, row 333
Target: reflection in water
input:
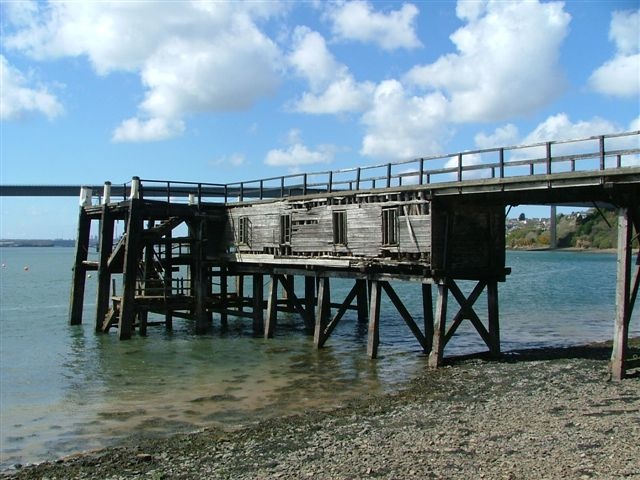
column 66, row 389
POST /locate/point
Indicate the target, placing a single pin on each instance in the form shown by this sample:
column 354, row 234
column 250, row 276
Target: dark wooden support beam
column 147, row 277
column 404, row 313
column 257, row 302
column 293, row 302
column 323, row 309
column 623, row 296
column 76, row 300
column 362, row 301
column 199, row 277
column 310, row 295
column 494, row 318
column 224, row 298
column 437, row 347
column 272, row 308
column 239, row 282
column 326, row 332
column 288, row 285
column 373, row 338
column 132, row 253
column 427, row 311
column 104, row 276
column 168, row 277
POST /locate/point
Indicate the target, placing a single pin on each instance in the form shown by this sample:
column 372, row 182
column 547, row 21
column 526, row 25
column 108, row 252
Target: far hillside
column 591, row 229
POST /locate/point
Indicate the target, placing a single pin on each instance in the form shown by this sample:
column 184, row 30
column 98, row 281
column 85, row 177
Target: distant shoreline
column 10, row 243
column 563, row 249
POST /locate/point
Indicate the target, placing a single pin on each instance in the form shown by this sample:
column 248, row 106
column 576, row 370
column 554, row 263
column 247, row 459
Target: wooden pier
column 189, row 250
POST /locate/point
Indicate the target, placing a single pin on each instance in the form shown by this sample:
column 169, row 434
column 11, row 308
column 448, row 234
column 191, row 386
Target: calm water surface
column 64, row 389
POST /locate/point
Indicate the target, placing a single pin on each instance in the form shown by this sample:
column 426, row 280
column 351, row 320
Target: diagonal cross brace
column 466, row 311
column 406, row 316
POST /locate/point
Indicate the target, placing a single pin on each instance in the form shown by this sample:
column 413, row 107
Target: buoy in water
column 26, row 268
column 89, row 276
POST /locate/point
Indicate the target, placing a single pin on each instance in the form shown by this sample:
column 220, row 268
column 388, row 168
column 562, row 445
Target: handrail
column 542, row 158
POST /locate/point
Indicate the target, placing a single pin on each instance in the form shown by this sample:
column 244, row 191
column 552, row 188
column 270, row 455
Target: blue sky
column 229, row 91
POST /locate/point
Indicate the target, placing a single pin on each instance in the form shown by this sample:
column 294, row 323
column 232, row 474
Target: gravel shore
column 542, row 414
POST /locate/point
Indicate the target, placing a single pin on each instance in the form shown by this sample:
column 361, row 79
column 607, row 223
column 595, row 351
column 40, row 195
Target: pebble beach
column 548, row 413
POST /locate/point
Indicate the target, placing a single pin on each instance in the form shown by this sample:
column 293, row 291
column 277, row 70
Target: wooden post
column 437, row 346
column 168, row 279
column 104, row 276
column 427, row 310
column 362, row 301
column 272, row 308
column 130, row 270
column 373, row 338
column 224, row 298
column 76, row 300
column 623, row 284
column 309, row 295
column 199, row 278
column 258, row 310
column 553, row 236
column 288, row 283
column 323, row 310
column 143, row 313
column 240, row 292
column 494, row 318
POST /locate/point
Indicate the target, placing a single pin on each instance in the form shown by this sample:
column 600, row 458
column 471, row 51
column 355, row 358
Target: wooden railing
column 598, row 153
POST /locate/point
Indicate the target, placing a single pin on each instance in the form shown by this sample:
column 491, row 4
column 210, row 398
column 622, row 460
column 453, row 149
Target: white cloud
column 356, row 20
column 501, row 137
column 233, row 160
column 560, row 127
column 18, row 99
column 401, row 126
column 342, row 95
column 620, row 76
column 297, row 154
column 333, row 89
column 507, row 62
column 191, row 56
column 153, row 129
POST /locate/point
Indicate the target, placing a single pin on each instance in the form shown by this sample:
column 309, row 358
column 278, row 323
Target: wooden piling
column 130, row 271
column 224, row 298
column 323, row 310
column 373, row 338
column 200, row 278
column 258, row 300
column 427, row 312
column 494, row 318
column 362, row 301
column 104, row 276
column 272, row 308
column 623, row 284
column 79, row 270
column 437, row 346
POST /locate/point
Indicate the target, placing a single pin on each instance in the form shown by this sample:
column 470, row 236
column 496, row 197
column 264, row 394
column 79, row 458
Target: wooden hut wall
column 414, row 234
column 312, row 228
column 263, row 226
column 468, row 240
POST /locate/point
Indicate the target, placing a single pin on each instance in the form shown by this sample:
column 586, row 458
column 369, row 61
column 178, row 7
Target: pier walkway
column 198, row 250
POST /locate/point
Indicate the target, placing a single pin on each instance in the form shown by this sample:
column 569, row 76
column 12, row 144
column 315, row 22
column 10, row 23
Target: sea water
column 65, row 389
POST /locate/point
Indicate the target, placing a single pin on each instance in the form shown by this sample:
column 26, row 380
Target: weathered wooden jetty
column 190, row 250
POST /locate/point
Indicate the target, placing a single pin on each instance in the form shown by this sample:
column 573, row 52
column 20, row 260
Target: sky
column 227, row 91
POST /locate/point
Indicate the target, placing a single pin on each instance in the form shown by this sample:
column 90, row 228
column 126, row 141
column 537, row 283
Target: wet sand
column 547, row 413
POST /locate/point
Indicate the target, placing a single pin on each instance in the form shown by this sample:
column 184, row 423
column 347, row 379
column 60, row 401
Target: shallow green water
column 65, row 389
